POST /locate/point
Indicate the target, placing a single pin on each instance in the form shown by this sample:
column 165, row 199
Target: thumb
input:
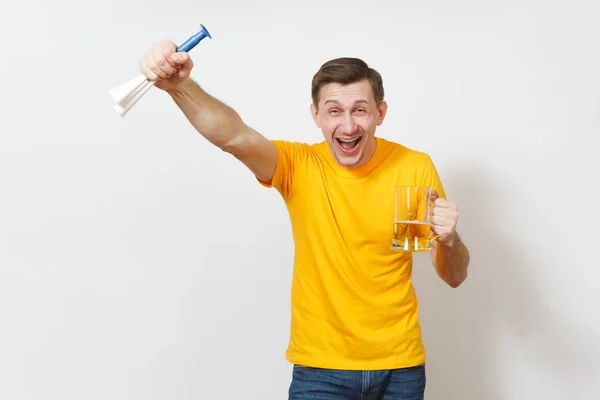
column 434, row 195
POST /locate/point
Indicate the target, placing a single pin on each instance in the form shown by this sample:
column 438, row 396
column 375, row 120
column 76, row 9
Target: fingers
column 162, row 61
column 445, row 212
column 158, row 59
column 184, row 63
column 179, row 59
column 145, row 69
column 444, row 203
column 443, row 226
column 444, row 216
column 443, row 208
column 442, row 221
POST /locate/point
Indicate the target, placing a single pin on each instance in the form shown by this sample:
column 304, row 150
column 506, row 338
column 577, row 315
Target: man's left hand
column 444, row 217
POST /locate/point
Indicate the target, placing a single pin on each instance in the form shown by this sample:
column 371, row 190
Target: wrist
column 449, row 240
column 180, row 88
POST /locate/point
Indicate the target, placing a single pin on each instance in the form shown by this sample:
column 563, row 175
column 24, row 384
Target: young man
column 355, row 332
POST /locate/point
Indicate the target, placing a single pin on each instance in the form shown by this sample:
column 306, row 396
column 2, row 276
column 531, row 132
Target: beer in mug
column 412, row 219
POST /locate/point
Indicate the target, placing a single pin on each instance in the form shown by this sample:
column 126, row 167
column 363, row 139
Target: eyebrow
column 355, row 103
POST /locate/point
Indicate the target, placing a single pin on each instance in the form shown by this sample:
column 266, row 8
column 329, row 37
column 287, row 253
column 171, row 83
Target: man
column 355, row 332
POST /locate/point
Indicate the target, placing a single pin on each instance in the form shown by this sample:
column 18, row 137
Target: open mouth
column 348, row 145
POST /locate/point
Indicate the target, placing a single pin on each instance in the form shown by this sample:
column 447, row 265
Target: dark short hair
column 347, row 70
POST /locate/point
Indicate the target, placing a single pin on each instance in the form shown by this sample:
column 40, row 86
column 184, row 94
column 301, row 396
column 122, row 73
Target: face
column 348, row 117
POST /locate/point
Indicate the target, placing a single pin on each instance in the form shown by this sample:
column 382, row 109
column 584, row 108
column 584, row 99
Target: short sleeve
column 288, row 155
column 431, row 178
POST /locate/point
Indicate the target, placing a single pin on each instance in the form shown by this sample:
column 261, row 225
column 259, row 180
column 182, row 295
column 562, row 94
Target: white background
column 137, row 261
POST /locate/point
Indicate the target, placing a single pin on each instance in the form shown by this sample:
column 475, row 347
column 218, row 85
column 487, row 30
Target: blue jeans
column 328, row 384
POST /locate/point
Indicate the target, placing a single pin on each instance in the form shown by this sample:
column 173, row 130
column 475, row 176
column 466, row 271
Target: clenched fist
column 165, row 66
column 444, row 217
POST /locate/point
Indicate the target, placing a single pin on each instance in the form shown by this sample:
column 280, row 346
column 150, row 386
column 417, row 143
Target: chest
column 357, row 211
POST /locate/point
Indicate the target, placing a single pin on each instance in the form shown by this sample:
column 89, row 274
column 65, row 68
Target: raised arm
column 217, row 122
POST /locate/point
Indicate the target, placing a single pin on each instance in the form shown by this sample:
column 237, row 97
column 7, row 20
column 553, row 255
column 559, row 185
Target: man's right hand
column 217, row 122
column 165, row 66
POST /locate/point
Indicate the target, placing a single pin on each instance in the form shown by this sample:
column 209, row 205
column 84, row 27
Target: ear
column 315, row 114
column 382, row 111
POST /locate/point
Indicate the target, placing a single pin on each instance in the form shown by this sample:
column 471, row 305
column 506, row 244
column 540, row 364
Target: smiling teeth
column 347, row 141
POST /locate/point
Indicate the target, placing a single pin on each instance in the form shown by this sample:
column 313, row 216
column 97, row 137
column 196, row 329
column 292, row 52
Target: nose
column 348, row 125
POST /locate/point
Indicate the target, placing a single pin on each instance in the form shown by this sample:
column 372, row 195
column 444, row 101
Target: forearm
column 217, row 122
column 451, row 260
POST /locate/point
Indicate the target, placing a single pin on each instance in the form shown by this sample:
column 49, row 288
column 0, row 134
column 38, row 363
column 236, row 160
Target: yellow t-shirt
column 353, row 303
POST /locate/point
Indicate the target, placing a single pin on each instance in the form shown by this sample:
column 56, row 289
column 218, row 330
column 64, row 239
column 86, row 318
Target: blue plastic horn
column 128, row 94
column 194, row 40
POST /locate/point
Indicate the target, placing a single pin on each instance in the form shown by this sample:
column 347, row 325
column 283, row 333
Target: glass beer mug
column 412, row 219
